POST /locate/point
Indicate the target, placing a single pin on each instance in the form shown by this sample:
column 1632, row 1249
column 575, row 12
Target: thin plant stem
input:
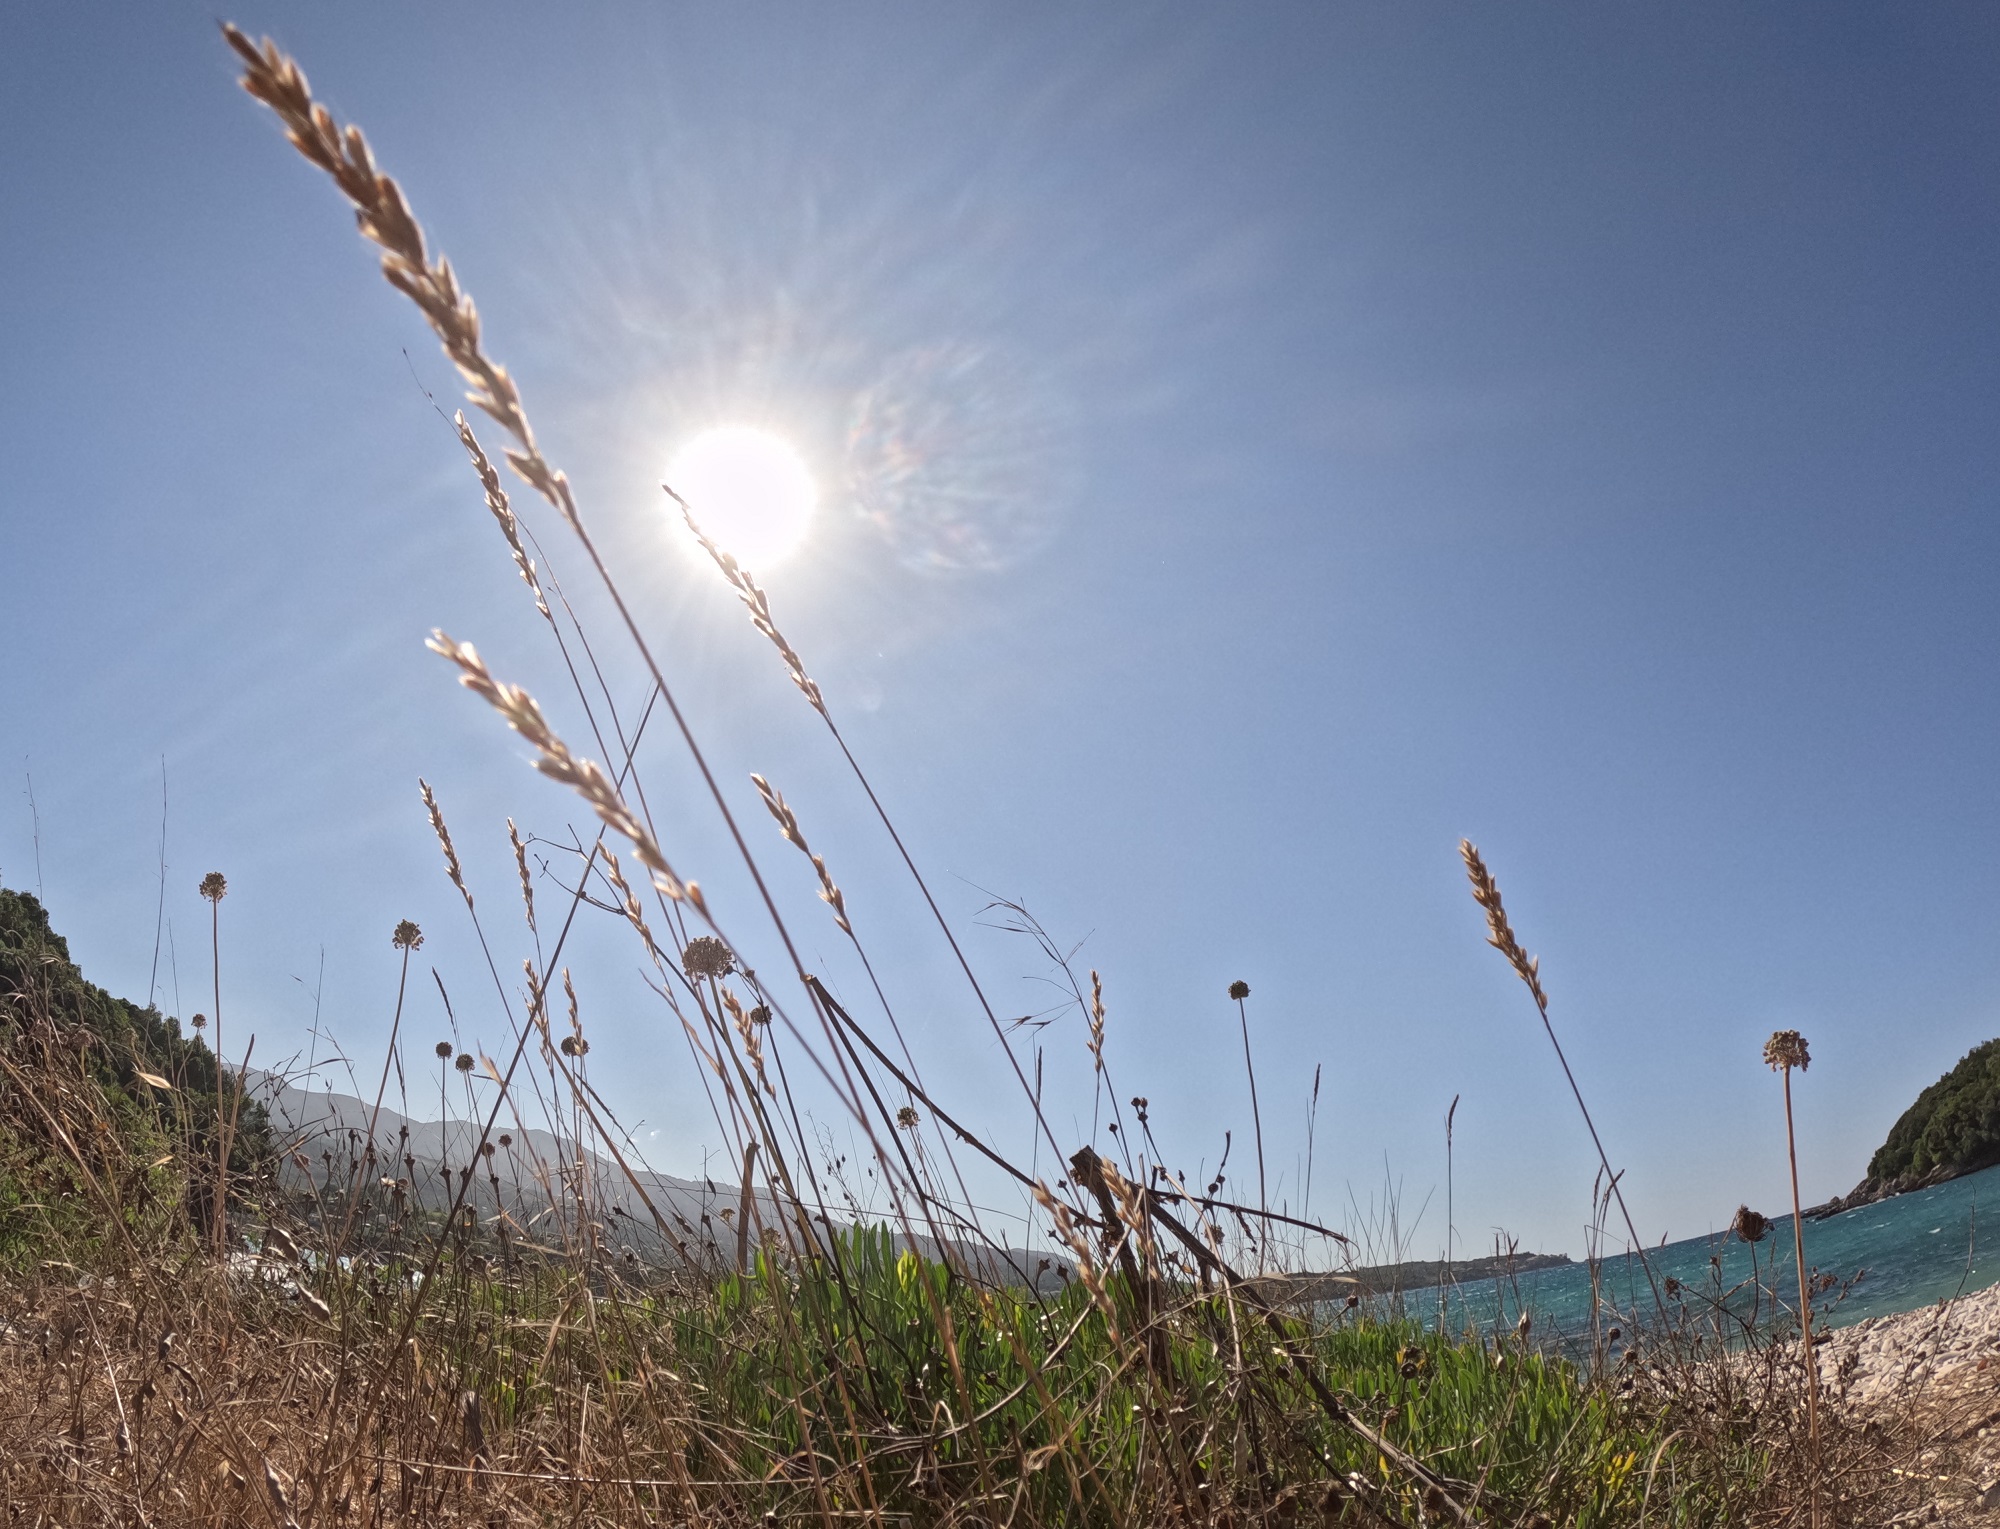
column 1450, row 1220
column 1805, row 1299
column 1256, row 1117
column 1500, row 935
column 160, row 913
column 221, row 1080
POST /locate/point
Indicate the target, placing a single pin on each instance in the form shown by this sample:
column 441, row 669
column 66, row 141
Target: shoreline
column 1880, row 1358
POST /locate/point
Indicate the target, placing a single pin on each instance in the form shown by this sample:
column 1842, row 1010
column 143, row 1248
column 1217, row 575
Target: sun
column 749, row 490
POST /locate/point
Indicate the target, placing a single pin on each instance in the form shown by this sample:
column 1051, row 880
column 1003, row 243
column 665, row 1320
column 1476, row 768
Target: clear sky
column 1258, row 445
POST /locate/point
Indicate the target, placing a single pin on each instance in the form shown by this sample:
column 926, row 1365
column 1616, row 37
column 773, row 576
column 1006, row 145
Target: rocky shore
column 1406, row 1277
column 1941, row 1349
column 1869, row 1190
column 1933, row 1372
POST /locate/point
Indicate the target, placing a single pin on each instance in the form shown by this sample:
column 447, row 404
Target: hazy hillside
column 328, row 1130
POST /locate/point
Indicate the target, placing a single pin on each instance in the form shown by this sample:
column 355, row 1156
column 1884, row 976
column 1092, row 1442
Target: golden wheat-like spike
column 521, row 865
column 385, row 220
column 502, row 508
column 757, row 603
column 1096, row 1042
column 451, row 866
column 1500, row 935
column 788, row 825
column 537, row 995
column 554, row 759
column 635, row 915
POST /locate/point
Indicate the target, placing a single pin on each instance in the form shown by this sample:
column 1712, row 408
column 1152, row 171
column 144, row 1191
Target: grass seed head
column 451, row 866
column 1499, row 933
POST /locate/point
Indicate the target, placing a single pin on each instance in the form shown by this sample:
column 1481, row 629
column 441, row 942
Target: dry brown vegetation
column 357, row 1340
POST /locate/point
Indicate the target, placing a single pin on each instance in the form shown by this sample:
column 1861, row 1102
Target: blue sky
column 1343, row 429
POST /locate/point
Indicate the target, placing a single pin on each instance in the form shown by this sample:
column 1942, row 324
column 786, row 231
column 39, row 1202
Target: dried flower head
column 407, row 936
column 1239, row 990
column 574, row 1045
column 214, row 886
column 706, row 956
column 1787, row 1048
column 199, row 1021
column 761, row 1015
column 444, row 1049
column 506, row 1138
column 1750, row 1225
column 906, row 1117
column 486, row 1149
column 464, row 1062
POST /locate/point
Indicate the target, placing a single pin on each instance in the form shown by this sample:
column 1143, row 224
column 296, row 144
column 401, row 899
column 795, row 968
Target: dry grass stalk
column 554, row 759
column 590, row 1451
column 1096, row 1042
column 214, row 888
column 451, row 865
column 788, row 825
column 635, row 915
column 1500, row 935
column 1240, row 992
column 521, row 866
column 385, row 220
column 757, row 603
column 503, row 510
column 1785, row 1050
column 748, row 1028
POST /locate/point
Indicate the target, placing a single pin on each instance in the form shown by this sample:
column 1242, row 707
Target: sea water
column 1895, row 1255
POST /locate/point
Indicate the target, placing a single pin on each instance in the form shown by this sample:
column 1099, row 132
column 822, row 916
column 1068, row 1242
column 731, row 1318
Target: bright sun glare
column 749, row 490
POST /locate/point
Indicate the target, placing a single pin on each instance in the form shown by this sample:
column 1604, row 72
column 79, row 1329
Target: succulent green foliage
column 1043, row 1377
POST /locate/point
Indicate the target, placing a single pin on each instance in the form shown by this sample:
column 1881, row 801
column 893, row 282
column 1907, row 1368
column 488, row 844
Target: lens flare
column 750, row 493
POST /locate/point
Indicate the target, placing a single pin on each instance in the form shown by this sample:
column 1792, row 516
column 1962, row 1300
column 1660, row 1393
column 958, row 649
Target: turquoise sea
column 1896, row 1255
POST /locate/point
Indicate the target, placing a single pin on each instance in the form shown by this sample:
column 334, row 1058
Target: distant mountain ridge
column 322, row 1125
column 325, row 1130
